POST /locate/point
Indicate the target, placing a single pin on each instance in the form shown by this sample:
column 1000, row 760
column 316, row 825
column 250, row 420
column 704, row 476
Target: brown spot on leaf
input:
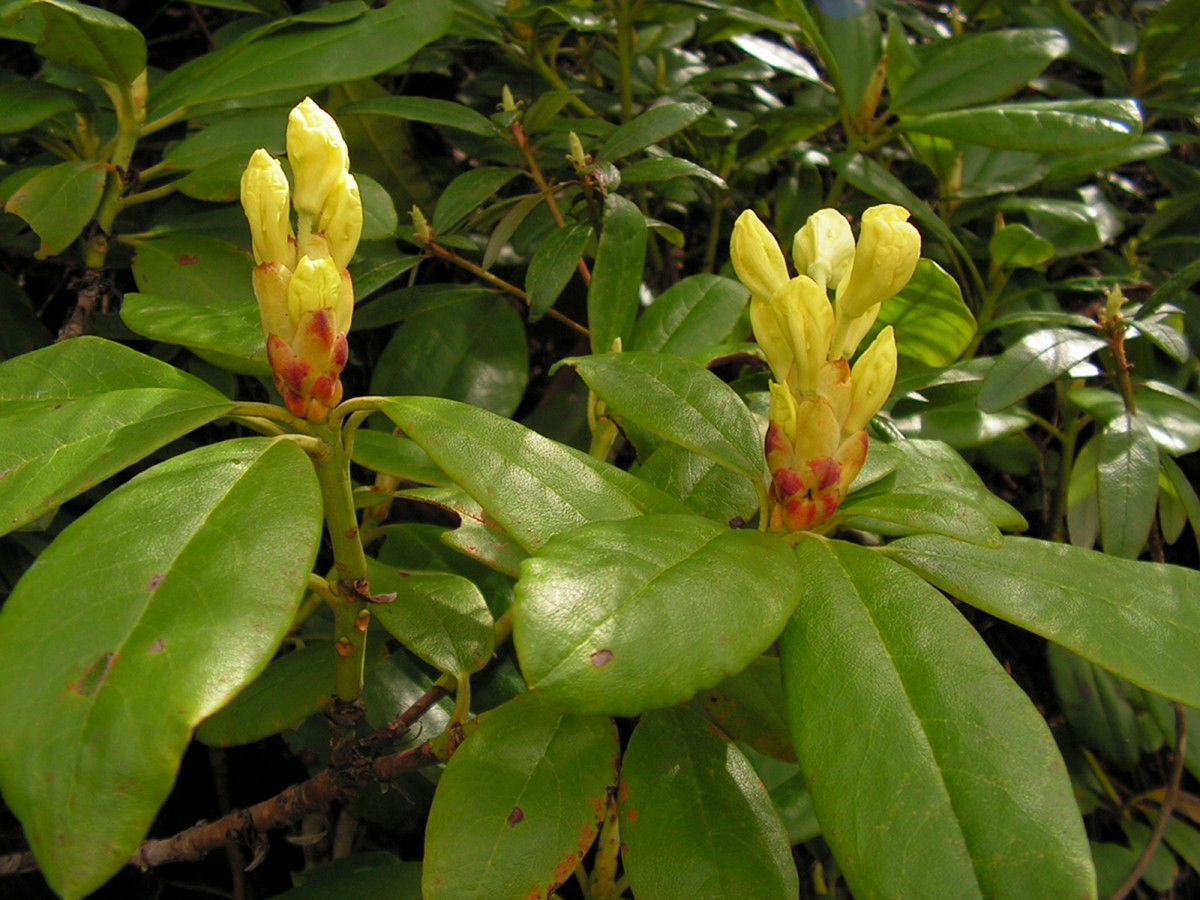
column 184, row 260
column 601, row 658
column 631, row 814
column 516, row 816
column 155, row 580
column 343, row 647
column 94, row 675
column 159, row 645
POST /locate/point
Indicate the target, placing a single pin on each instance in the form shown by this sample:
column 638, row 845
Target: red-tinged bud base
column 805, row 495
column 307, row 371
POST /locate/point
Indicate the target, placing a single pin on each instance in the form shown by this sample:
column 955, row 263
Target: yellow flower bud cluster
column 817, row 441
column 305, row 297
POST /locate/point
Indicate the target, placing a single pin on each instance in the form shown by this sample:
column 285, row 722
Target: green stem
column 626, row 10
column 129, row 121
column 351, row 616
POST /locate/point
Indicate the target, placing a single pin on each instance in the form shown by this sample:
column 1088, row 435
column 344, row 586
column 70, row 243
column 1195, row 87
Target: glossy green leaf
column 620, row 617
column 777, row 56
column 552, row 265
column 79, row 411
column 1127, row 474
column 1138, row 620
column 1015, row 246
column 477, row 536
column 665, row 168
column 1083, row 503
column 440, row 617
column 930, row 771
column 162, row 633
column 395, row 455
column 371, row 873
column 933, row 324
column 750, row 708
column 978, row 68
column 1170, row 36
column 89, row 39
column 678, row 400
column 468, row 192
column 474, row 351
column 228, row 334
column 694, row 314
column 58, row 202
column 1053, row 126
column 874, row 180
column 1186, row 493
column 234, row 138
column 896, row 513
column 292, row 688
column 963, row 426
column 695, row 819
column 1073, row 227
column 307, row 56
column 655, row 124
column 1080, row 165
column 617, row 274
column 1172, row 416
column 519, row 803
column 423, row 109
column 855, row 43
column 25, row 104
column 396, row 306
column 1033, row 362
column 709, row 489
column 412, row 545
column 533, row 487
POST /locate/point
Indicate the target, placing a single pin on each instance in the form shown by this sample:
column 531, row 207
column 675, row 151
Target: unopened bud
column 824, row 248
column 756, row 256
column 318, row 154
column 886, row 257
column 265, row 201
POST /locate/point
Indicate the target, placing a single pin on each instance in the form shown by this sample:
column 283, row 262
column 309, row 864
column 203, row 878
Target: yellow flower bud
column 317, row 153
column 803, row 309
column 756, row 256
column 316, row 284
column 824, row 248
column 271, row 290
column 872, row 379
column 265, row 201
column 887, row 254
column 341, row 220
column 772, row 336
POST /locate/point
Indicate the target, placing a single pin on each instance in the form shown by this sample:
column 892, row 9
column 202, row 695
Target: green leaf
column 750, row 708
column 1033, row 362
column 653, row 125
column 930, row 771
column 617, row 274
column 77, row 412
column 423, row 109
column 1170, row 36
column 440, row 617
column 467, row 192
column 533, row 487
column 519, row 803
column 1083, row 505
column 665, row 168
column 1015, row 247
column 395, row 455
column 1127, row 474
column 977, row 68
column 874, row 180
column 305, row 56
column 58, row 202
column 89, row 39
column 679, row 400
column 1072, row 227
column 855, row 44
column 162, row 633
column 1186, row 493
column 1138, row 620
column 396, row 306
column 477, row 536
column 474, row 351
column 933, row 324
column 711, row 490
column 1099, row 714
column 25, row 104
column 1053, row 126
column 227, row 334
column 694, row 314
column 371, row 873
column 915, row 513
column 696, row 820
column 552, row 265
column 621, row 617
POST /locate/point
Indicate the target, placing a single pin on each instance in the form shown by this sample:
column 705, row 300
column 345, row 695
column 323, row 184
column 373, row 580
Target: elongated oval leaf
column 696, row 820
column 1053, row 126
column 620, row 617
column 135, row 624
column 94, row 41
column 1139, row 620
column 931, row 773
column 552, row 265
column 58, row 202
column 705, row 487
column 531, row 486
column 617, row 275
column 655, row 124
column 679, row 400
column 467, row 192
column 1033, row 362
column 24, row 104
column 225, row 331
column 694, row 314
column 77, row 412
column 423, row 109
column 979, row 68
column 749, row 707
column 519, row 803
column 440, row 617
column 1127, row 480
